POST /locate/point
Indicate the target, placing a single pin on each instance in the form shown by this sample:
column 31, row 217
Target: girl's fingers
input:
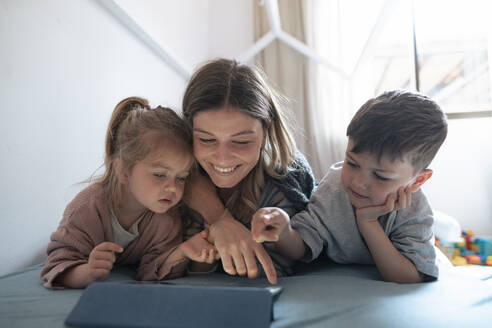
column 99, row 274
column 212, row 256
column 203, row 255
column 99, row 264
column 104, row 255
column 109, row 246
column 209, row 257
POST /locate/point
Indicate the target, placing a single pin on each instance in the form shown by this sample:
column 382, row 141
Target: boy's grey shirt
column 329, row 223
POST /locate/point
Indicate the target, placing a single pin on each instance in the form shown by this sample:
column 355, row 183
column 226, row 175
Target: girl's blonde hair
column 135, row 129
column 221, row 83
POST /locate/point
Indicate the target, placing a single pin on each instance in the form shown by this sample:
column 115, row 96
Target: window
column 453, row 42
column 440, row 48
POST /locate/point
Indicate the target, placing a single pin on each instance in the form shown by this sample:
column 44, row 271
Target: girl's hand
column 268, row 223
column 239, row 251
column 101, row 260
column 198, row 249
column 372, row 213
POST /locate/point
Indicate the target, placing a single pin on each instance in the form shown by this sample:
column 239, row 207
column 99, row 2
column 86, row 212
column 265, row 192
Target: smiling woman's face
column 227, row 144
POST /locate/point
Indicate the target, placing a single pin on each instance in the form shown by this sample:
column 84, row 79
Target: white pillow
column 446, row 227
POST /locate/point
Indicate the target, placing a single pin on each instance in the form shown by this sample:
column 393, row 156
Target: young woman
column 248, row 160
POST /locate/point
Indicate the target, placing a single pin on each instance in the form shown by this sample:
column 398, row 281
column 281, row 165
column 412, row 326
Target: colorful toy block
column 470, row 250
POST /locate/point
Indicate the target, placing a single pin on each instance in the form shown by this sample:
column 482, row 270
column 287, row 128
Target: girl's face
column 157, row 182
column 227, row 144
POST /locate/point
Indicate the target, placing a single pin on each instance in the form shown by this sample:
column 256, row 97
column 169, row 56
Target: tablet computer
column 105, row 304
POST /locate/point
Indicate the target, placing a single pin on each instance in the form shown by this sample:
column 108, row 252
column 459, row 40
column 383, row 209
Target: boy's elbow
column 405, row 279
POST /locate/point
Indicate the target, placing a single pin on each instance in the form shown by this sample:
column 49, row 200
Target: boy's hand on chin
column 372, row 213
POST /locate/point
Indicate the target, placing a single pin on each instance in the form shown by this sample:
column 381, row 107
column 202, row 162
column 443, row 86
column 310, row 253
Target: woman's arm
column 201, row 195
column 233, row 240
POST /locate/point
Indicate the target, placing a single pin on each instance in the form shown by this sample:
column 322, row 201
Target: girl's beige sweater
column 86, row 223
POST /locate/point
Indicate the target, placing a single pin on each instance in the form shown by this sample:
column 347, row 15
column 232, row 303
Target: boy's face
column 368, row 182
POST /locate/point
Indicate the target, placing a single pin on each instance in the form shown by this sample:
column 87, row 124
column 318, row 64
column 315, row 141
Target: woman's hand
column 239, row 251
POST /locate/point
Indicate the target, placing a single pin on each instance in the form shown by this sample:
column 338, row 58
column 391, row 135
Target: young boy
column 369, row 209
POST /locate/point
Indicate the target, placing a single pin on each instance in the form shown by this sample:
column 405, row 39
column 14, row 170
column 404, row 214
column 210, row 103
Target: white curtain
column 318, row 96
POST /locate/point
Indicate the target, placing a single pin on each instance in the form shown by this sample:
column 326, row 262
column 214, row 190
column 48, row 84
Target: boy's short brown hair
column 399, row 124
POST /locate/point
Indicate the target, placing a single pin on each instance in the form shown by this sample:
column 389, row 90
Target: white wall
column 181, row 26
column 63, row 67
column 462, row 182
column 225, row 26
column 231, row 27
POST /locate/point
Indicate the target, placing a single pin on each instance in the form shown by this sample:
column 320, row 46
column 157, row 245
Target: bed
column 323, row 294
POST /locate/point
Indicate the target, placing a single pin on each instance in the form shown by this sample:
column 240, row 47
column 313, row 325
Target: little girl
column 128, row 216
